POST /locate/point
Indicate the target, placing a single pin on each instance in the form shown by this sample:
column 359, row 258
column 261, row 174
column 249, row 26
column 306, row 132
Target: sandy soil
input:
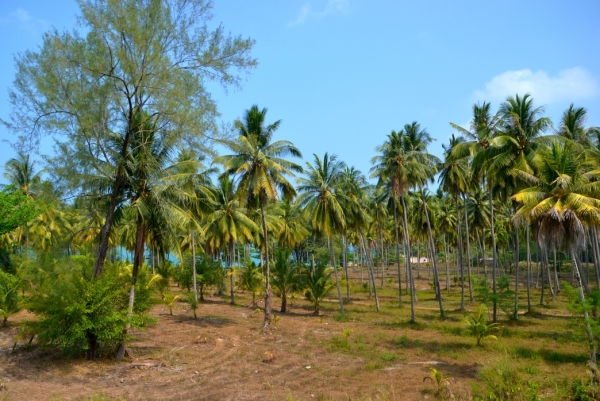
column 224, row 355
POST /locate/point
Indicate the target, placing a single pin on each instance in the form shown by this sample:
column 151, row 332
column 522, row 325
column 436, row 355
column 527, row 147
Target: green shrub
column 502, row 381
column 10, row 299
column 580, row 391
column 79, row 314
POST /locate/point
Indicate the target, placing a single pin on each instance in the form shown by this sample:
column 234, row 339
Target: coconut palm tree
column 377, row 207
column 446, row 218
column 260, row 171
column 351, row 186
column 483, row 128
column 479, row 218
column 521, row 125
column 292, row 231
column 393, row 167
column 455, row 179
column 20, row 173
column 200, row 205
column 285, row 275
column 321, row 201
column 251, row 279
column 316, row 281
column 152, row 187
column 562, row 201
column 572, row 127
column 417, row 140
column 227, row 224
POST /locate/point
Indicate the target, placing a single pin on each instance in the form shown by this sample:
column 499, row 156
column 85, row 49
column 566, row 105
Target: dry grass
column 223, row 355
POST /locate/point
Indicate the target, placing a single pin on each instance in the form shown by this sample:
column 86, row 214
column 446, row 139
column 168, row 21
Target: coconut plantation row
column 155, row 255
column 511, row 226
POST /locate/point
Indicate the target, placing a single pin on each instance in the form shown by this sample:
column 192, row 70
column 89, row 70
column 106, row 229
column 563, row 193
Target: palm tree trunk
column 544, row 262
column 418, row 259
column 594, row 242
column 231, row 263
column 407, row 258
column 362, row 270
column 494, row 255
column 471, row 298
column 592, row 342
column 549, row 276
column 137, row 262
column 268, row 300
column 345, row 256
column 587, row 262
column 539, row 266
column 528, row 271
column 382, row 253
column 194, row 265
column 447, row 266
column 485, row 272
column 555, row 268
column 460, row 255
column 582, row 275
column 436, row 278
column 370, row 270
column 516, row 315
column 397, row 252
column 337, row 279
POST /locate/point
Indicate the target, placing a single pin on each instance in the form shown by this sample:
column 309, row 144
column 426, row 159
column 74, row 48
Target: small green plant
column 533, row 388
column 388, row 357
column 478, row 327
column 251, row 279
column 441, row 382
column 169, row 300
column 402, row 341
column 190, row 298
column 531, row 370
column 345, row 334
column 275, row 320
column 341, row 341
column 580, row 391
column 341, row 318
column 316, row 281
column 371, row 366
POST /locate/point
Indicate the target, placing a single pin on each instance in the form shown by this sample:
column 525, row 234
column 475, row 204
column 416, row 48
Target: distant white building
column 422, row 259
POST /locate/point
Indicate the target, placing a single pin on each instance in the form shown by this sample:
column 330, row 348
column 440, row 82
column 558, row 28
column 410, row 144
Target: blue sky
column 342, row 74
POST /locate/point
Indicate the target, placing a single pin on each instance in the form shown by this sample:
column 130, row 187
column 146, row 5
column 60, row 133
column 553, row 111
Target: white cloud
column 305, row 11
column 25, row 21
column 332, row 7
column 568, row 85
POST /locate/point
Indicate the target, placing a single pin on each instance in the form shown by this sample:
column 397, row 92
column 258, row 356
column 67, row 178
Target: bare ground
column 224, row 355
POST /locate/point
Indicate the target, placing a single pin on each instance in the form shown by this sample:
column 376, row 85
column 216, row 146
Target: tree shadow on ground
column 402, row 324
column 204, row 321
column 432, row 346
column 551, row 356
